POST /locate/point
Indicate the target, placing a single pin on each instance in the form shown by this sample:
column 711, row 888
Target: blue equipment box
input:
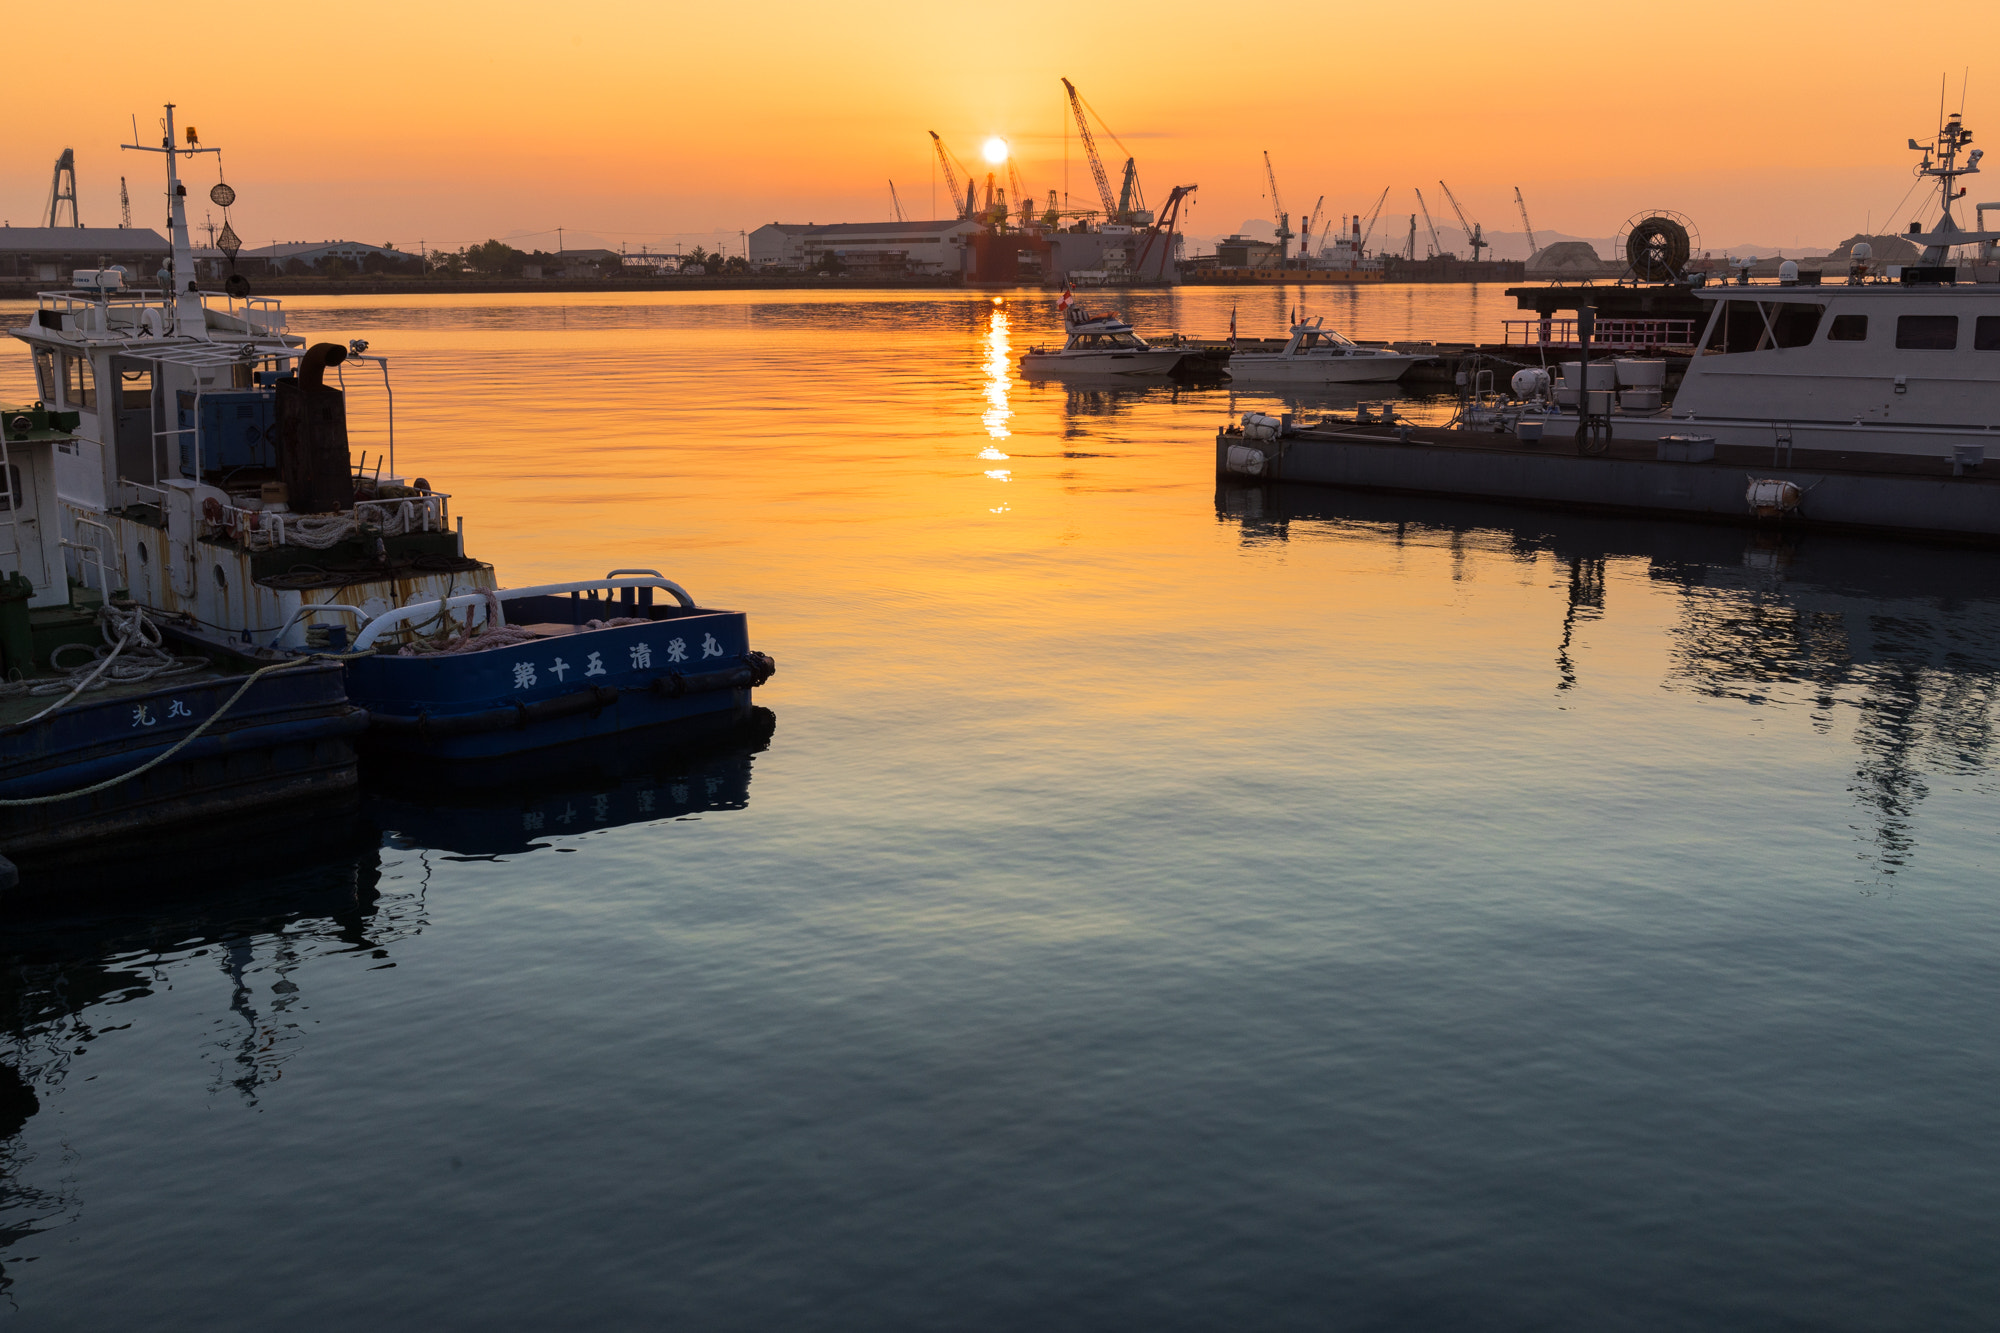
column 236, row 429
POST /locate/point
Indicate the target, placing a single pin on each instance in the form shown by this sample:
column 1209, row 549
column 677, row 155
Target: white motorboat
column 1102, row 345
column 1315, row 354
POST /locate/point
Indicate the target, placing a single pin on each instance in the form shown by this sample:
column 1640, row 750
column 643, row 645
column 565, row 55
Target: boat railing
column 418, row 613
column 85, row 311
column 1613, row 335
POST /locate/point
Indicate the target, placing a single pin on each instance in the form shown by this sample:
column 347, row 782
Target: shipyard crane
column 1128, row 205
column 896, row 203
column 1522, row 204
column 1278, row 210
column 1024, row 200
column 1437, row 246
column 1104, row 194
column 951, row 177
column 1475, row 238
column 124, row 204
column 1312, row 225
column 62, row 190
column 1161, row 234
column 1361, row 246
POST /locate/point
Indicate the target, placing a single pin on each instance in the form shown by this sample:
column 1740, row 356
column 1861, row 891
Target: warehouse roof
column 76, row 240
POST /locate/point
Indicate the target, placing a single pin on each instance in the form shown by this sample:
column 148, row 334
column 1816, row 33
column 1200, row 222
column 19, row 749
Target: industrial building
column 877, row 248
column 51, row 254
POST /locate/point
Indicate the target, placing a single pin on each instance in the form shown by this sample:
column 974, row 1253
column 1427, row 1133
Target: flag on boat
column 1069, row 295
column 1232, row 326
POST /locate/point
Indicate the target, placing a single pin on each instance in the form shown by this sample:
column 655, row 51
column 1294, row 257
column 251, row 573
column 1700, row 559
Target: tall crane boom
column 1475, row 239
column 1278, row 213
column 1437, row 246
column 1522, row 204
column 1104, row 195
column 950, row 176
column 1361, row 246
column 896, row 203
column 124, row 204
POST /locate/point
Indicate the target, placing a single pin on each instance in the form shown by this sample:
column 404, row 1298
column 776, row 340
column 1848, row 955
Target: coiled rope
column 131, row 652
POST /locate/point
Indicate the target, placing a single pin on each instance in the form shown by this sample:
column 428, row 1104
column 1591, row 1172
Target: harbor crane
column 1475, row 239
column 1361, row 246
column 1437, row 246
column 1022, row 198
column 896, row 203
column 1104, row 194
column 1283, row 218
column 124, row 205
column 63, row 189
column 1312, row 225
column 1128, row 205
column 945, row 161
column 1522, row 204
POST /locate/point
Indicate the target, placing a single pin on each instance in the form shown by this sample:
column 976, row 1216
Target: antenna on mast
column 124, row 205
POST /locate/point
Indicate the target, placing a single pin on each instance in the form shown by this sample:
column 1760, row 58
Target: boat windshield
column 1104, row 341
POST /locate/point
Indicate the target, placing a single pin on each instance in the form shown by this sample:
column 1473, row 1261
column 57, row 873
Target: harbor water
column 1146, row 905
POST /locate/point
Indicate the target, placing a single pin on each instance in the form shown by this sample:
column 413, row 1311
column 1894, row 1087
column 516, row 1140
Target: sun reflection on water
column 999, row 369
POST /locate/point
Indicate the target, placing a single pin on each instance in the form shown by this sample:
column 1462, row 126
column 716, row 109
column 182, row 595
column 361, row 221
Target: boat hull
column 1156, row 362
column 673, row 670
column 291, row 737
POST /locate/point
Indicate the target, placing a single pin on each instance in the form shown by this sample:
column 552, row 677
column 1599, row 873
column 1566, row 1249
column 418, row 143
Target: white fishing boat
column 1314, row 354
column 1102, row 346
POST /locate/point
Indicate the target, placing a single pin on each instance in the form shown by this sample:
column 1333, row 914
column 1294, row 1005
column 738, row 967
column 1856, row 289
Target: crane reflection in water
column 1902, row 640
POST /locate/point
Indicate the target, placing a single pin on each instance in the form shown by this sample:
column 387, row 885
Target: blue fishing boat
column 211, row 483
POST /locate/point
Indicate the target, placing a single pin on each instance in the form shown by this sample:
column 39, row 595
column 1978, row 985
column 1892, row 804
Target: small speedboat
column 1102, row 345
column 1315, row 354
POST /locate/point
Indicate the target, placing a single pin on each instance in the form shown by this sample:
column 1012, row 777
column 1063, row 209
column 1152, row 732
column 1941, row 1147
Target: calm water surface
column 1152, row 907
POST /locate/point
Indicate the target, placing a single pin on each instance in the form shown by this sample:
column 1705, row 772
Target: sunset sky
column 450, row 122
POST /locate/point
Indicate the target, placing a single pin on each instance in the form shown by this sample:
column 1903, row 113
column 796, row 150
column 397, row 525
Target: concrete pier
column 1904, row 497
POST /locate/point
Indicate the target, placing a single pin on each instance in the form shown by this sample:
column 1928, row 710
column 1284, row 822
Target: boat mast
column 180, row 282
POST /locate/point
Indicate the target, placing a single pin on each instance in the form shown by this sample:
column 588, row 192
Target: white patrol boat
column 1102, row 345
column 1905, row 363
column 1314, row 354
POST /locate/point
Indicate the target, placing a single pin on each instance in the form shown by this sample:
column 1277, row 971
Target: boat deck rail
column 82, row 310
column 1611, row 335
column 494, row 603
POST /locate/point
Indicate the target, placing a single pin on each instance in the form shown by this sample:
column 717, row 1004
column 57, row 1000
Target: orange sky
column 450, row 121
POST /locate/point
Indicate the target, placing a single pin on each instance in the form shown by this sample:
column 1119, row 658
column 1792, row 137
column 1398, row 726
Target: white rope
column 392, row 518
column 145, row 661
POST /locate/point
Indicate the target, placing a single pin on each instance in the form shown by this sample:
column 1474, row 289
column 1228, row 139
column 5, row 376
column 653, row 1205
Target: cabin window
column 14, row 494
column 1986, row 334
column 1754, row 326
column 45, row 375
column 79, row 385
column 1848, row 329
column 1927, row 333
column 136, row 387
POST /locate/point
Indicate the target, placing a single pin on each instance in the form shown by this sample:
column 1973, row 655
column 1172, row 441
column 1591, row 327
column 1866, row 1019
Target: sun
column 996, row 150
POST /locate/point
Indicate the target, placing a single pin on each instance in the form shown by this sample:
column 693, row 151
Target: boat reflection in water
column 67, row 975
column 512, row 806
column 72, row 962
column 1899, row 641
